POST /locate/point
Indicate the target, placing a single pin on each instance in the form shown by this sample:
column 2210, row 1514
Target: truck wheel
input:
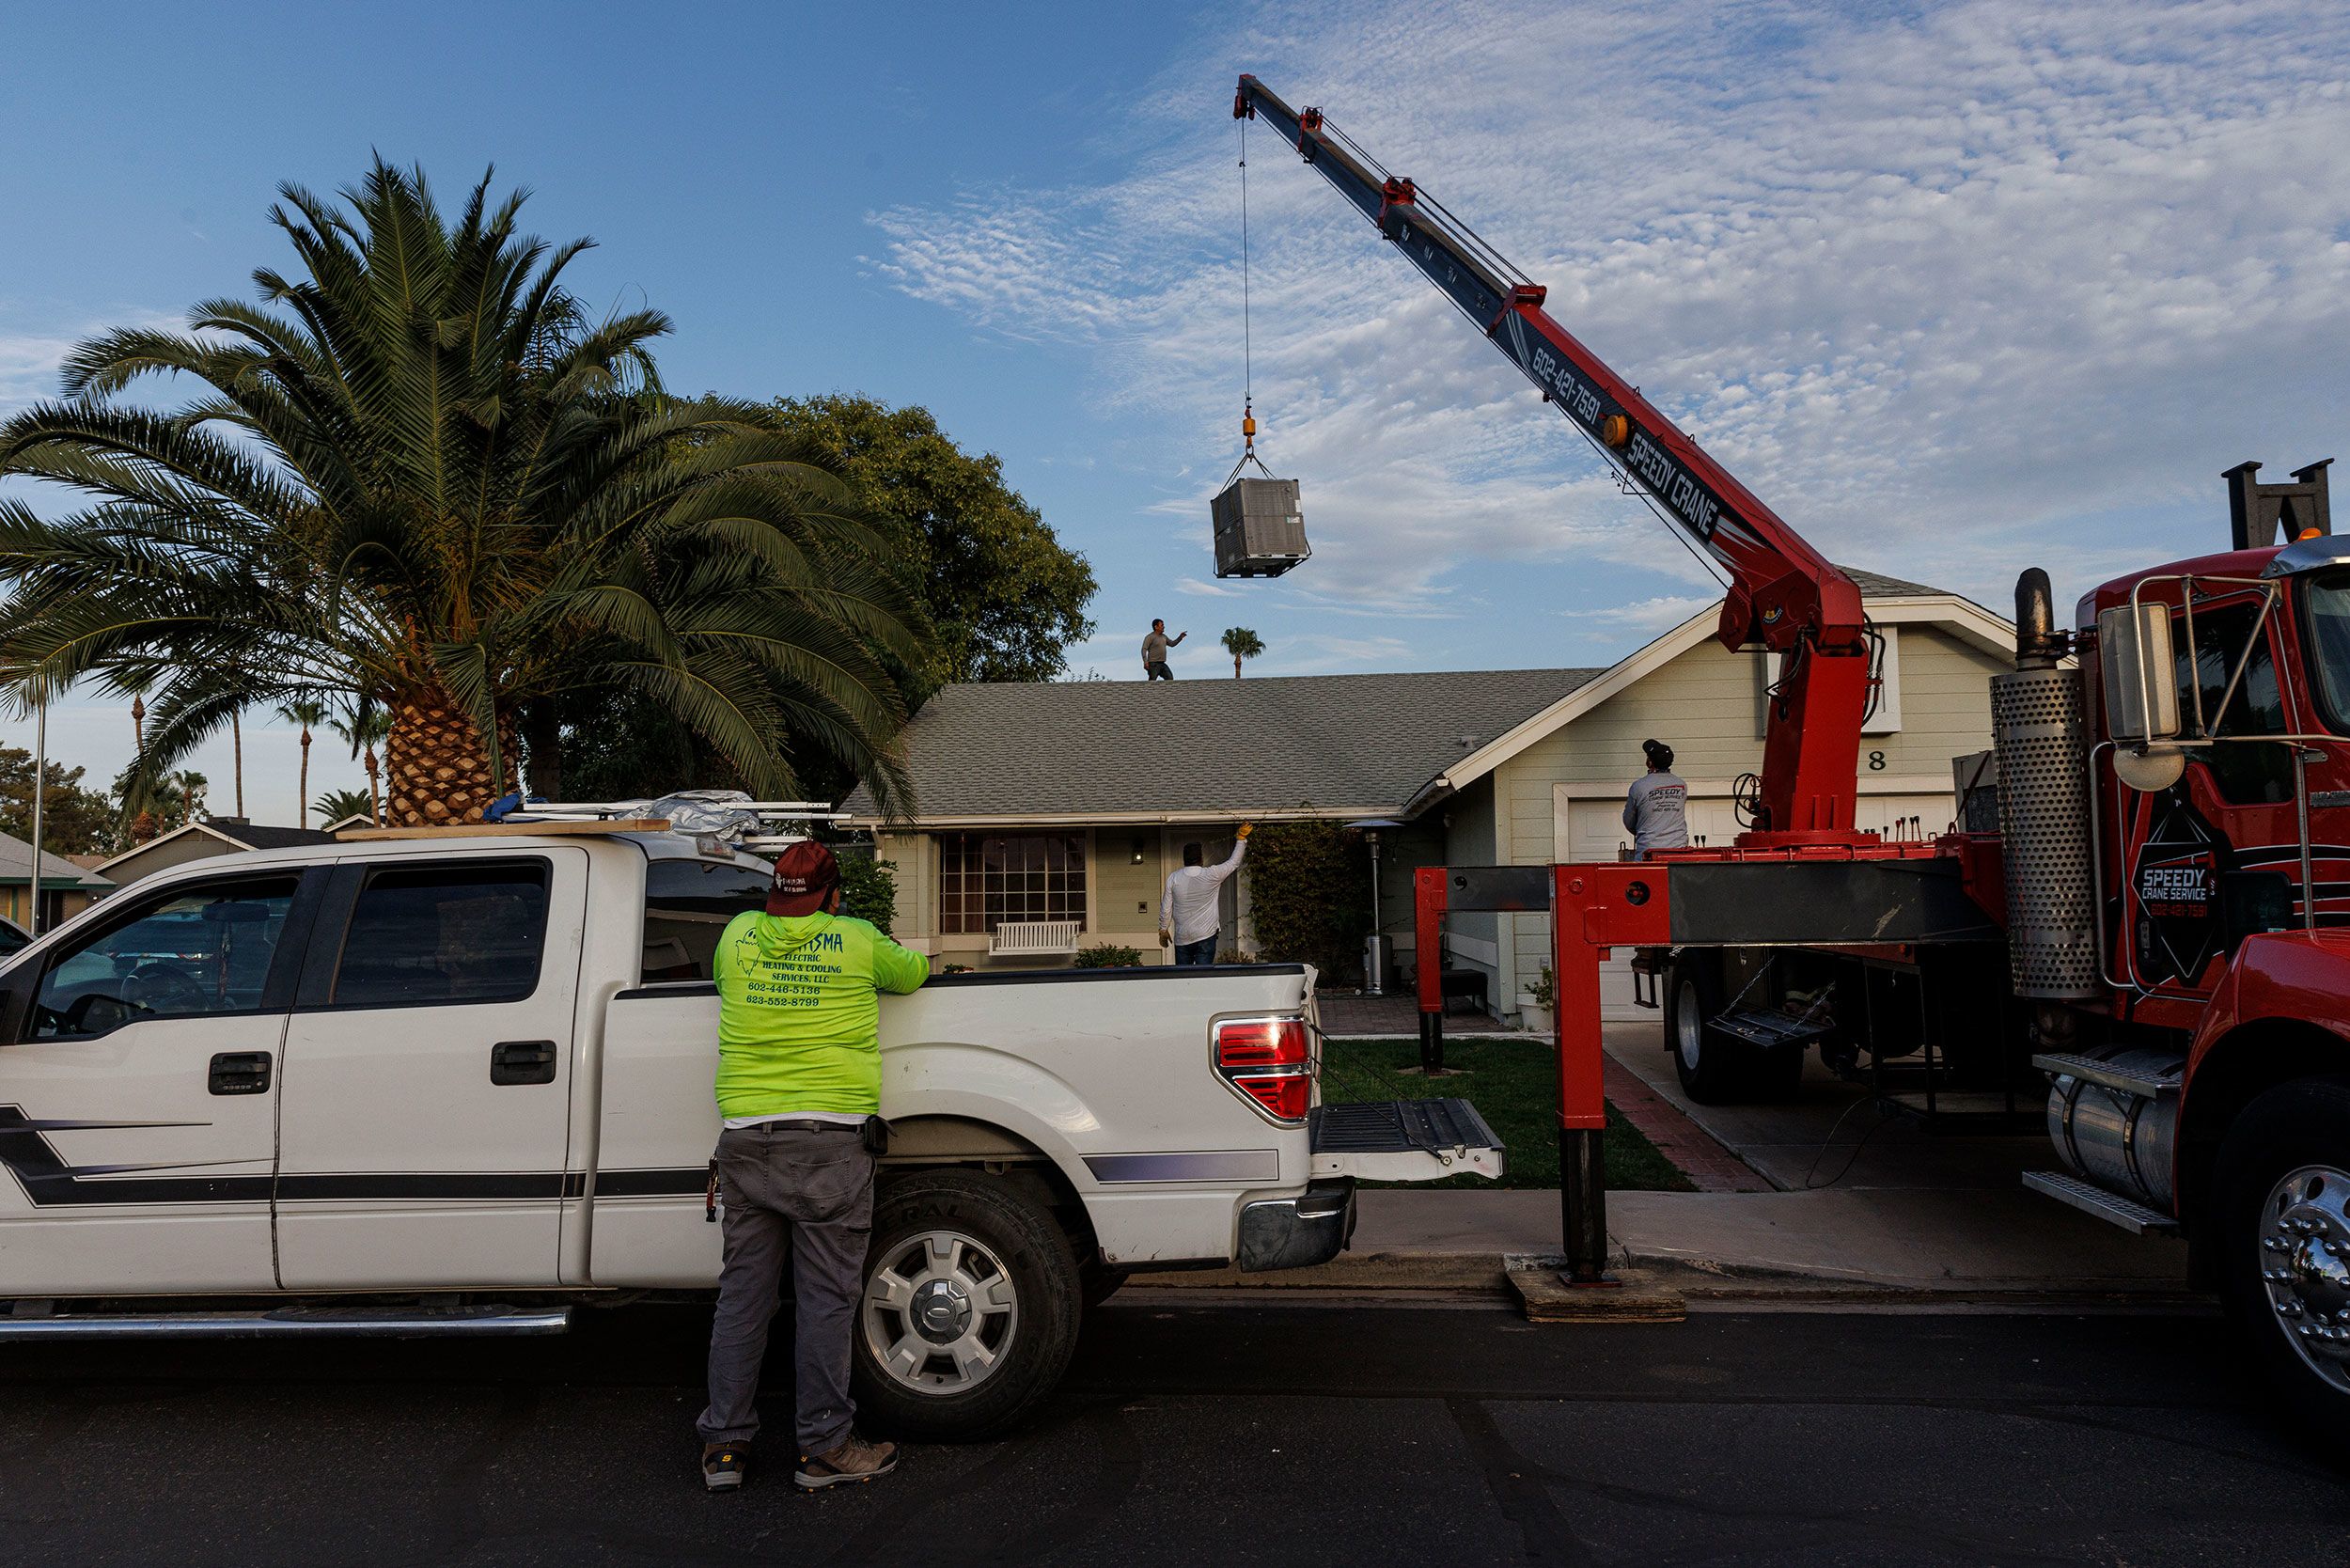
column 1712, row 1071
column 970, row 1309
column 2283, row 1206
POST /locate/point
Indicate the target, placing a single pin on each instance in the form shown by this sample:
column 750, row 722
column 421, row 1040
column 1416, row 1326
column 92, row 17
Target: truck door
column 428, row 1074
column 139, row 1086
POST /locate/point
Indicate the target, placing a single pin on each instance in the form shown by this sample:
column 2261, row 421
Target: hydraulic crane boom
column 1783, row 595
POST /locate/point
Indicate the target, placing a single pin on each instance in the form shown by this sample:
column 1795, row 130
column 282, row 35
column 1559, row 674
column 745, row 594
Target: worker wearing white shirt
column 1190, row 916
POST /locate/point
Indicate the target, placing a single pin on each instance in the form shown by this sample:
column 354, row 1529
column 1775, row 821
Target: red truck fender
column 2281, row 1011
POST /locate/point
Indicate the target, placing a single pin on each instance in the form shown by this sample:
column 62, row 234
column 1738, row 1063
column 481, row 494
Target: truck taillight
column 1270, row 1060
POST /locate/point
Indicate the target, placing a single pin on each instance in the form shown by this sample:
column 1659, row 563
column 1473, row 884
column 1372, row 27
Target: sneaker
column 721, row 1465
column 853, row 1460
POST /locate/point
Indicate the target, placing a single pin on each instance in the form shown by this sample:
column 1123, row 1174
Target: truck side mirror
column 2141, row 692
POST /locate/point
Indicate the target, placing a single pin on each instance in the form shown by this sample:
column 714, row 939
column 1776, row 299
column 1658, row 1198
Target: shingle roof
column 1072, row 749
column 1876, row 585
column 16, row 865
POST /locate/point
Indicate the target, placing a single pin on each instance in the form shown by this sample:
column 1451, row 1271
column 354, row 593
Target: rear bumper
column 1298, row 1233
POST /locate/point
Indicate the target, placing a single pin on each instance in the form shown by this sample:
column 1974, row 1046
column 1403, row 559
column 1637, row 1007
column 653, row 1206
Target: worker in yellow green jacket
column 799, row 1099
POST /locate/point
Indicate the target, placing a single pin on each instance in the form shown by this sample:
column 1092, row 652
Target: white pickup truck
column 463, row 1084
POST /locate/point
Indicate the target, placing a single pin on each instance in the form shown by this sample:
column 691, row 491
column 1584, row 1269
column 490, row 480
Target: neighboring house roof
column 1131, row 750
column 230, row 836
column 1890, row 601
column 1876, row 585
column 16, row 868
column 357, row 819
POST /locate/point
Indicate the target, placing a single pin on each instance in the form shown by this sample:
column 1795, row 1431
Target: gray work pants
column 809, row 1192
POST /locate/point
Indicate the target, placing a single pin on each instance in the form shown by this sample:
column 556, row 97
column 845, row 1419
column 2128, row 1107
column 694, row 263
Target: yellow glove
column 1246, row 829
column 1166, row 937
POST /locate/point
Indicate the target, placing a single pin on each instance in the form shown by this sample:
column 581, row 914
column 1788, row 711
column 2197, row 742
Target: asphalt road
column 1220, row 1434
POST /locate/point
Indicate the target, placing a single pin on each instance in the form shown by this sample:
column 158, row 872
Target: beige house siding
column 1704, row 704
column 1121, row 896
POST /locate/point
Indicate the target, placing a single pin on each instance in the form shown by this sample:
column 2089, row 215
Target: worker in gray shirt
column 1154, row 649
column 1657, row 809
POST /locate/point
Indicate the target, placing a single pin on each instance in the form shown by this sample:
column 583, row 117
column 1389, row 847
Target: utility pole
column 40, row 771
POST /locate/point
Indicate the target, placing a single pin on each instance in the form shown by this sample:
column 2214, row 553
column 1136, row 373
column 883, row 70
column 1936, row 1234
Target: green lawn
column 1515, row 1087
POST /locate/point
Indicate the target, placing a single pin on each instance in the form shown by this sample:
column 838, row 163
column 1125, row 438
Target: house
column 1045, row 805
column 200, row 840
column 66, row 889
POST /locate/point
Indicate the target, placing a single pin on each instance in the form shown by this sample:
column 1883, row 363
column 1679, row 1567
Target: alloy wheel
column 940, row 1313
column 2305, row 1264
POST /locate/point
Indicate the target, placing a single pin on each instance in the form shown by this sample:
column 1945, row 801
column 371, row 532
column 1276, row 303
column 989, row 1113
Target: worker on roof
column 1657, row 809
column 799, row 1096
column 1154, row 647
column 1190, row 911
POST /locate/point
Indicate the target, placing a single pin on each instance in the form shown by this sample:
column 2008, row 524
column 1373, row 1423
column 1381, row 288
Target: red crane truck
column 2143, row 901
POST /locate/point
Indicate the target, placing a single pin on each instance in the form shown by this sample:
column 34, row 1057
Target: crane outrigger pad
column 1259, row 530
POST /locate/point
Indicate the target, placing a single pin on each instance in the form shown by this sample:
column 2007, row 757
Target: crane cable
column 1248, row 340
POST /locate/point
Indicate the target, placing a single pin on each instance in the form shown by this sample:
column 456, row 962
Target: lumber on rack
column 503, row 830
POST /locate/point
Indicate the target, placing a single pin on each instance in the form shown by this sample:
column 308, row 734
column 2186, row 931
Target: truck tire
column 2282, row 1212
column 970, row 1309
column 1712, row 1071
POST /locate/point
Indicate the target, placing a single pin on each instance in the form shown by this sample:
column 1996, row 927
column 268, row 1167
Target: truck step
column 1393, row 1126
column 1403, row 1140
column 2128, row 1080
column 1768, row 1027
column 392, row 1323
column 2111, row 1207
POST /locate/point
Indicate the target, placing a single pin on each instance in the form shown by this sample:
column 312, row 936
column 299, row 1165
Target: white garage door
column 1594, row 830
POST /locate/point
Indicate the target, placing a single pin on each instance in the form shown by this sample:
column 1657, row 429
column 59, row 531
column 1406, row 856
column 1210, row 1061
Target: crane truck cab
column 2206, row 1085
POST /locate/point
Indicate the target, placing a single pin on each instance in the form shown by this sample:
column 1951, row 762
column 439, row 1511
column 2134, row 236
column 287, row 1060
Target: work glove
column 1246, row 829
column 1166, row 937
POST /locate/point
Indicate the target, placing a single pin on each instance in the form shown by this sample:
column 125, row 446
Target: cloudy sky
column 1955, row 288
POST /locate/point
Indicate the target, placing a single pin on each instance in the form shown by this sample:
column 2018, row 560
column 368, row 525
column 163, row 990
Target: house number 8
column 1876, row 762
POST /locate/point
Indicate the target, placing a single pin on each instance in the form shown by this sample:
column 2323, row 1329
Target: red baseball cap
column 805, row 874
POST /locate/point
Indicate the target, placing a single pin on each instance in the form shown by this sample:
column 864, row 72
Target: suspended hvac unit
column 1259, row 530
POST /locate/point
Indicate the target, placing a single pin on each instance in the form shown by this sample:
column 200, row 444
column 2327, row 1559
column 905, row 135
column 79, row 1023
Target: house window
column 986, row 878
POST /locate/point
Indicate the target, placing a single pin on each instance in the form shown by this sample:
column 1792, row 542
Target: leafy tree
column 1310, row 894
column 1241, row 643
column 419, row 477
column 73, row 819
column 1006, row 596
column 869, row 889
column 332, row 806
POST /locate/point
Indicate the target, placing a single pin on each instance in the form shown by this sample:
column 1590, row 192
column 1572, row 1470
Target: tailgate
column 1403, row 1140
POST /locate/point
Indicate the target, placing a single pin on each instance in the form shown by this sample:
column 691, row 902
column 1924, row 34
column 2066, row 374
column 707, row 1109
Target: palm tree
column 420, row 478
column 364, row 727
column 305, row 712
column 1242, row 643
column 332, row 806
column 236, row 729
column 183, row 790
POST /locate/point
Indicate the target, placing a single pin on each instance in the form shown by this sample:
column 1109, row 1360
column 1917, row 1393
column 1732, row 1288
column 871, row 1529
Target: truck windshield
column 2325, row 607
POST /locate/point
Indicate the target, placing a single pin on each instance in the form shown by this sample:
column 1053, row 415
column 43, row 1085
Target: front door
column 428, row 1074
column 140, row 1088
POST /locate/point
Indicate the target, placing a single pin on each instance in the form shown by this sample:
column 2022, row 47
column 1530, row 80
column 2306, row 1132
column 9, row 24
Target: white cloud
column 1954, row 288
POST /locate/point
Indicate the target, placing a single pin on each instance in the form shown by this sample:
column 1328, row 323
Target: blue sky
column 1957, row 289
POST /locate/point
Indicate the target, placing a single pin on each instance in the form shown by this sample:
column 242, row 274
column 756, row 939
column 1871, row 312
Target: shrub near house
column 1309, row 895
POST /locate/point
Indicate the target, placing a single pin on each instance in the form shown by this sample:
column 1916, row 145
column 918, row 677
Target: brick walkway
column 1712, row 1168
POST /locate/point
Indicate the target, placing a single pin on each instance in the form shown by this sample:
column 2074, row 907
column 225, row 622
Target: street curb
column 1689, row 1280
